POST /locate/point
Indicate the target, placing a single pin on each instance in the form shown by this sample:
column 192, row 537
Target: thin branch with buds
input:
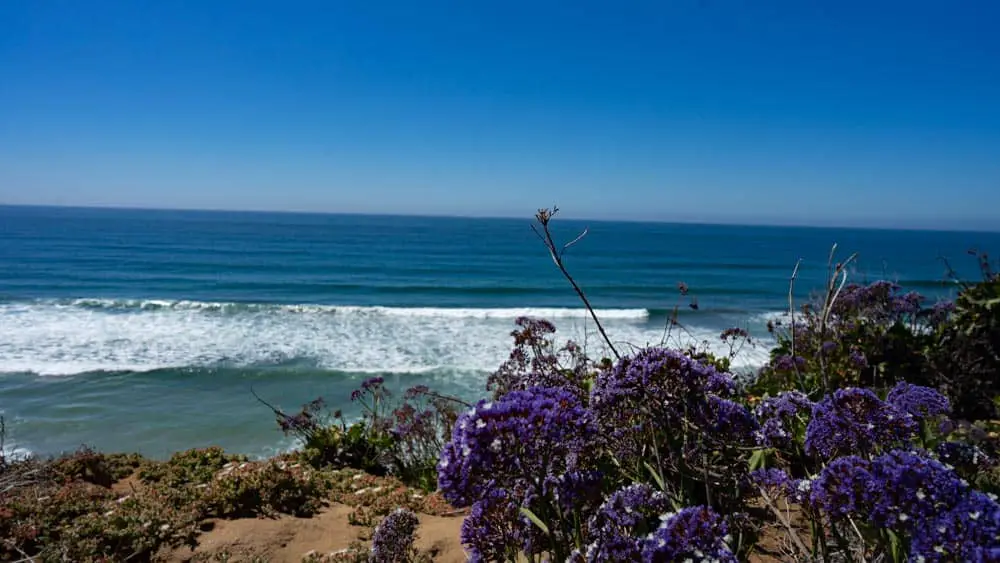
column 544, row 218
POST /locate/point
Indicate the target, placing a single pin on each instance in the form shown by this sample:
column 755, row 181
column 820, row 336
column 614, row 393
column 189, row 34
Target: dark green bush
column 964, row 357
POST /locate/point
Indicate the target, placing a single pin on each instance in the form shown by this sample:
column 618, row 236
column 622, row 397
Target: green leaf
column 656, row 476
column 896, row 545
column 536, row 520
column 758, row 460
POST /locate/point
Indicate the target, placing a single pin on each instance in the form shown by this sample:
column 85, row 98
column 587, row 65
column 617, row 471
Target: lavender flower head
column 855, row 421
column 393, row 539
column 694, row 534
column 728, row 422
column 523, row 438
column 773, row 481
column 370, row 385
column 910, row 488
column 776, row 414
column 616, row 529
column 920, row 402
column 654, row 388
column 494, row 530
column 968, row 532
column 844, row 488
column 964, row 456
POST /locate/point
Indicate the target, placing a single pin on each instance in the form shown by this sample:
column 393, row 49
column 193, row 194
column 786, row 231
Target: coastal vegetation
column 868, row 436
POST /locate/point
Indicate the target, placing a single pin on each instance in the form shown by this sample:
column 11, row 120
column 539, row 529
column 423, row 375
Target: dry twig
column 544, row 217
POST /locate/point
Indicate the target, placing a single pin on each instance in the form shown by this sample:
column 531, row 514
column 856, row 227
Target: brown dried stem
column 544, row 218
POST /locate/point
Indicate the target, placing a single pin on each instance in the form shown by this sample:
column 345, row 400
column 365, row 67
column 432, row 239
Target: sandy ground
column 288, row 539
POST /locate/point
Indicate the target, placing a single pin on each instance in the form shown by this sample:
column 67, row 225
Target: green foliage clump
column 964, row 358
column 191, row 467
column 96, row 468
column 402, row 439
column 269, row 488
column 55, row 519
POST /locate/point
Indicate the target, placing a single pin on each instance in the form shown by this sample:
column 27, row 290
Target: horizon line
column 530, row 218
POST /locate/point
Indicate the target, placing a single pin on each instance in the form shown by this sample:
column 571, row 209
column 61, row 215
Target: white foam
column 487, row 313
column 64, row 338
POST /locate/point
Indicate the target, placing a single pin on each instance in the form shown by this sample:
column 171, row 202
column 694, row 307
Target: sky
column 875, row 113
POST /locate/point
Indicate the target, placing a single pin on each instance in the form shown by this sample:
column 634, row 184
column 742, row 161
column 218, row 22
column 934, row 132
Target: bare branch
column 543, row 217
column 791, row 319
column 574, row 241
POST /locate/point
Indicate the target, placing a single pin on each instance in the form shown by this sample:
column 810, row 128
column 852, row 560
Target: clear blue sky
column 877, row 113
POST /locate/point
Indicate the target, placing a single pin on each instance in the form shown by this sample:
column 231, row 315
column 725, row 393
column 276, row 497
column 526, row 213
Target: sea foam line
column 234, row 307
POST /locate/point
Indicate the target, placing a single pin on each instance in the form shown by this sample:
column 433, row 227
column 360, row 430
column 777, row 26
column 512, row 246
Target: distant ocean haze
column 144, row 330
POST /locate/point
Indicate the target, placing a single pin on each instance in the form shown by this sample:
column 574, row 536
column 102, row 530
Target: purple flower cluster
column 788, row 363
column 656, row 389
column 777, row 414
column 920, row 402
column 370, row 385
column 775, row 482
column 694, row 534
column 911, row 488
column 844, row 488
column 393, row 539
column 964, row 456
column 616, row 529
column 728, row 420
column 516, row 442
column 968, row 532
column 855, row 421
column 908, row 492
column 494, row 529
column 880, row 301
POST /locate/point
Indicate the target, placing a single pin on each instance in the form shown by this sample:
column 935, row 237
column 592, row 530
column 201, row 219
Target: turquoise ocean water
column 144, row 330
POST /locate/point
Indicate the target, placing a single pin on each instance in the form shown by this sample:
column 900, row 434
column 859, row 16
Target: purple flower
column 494, row 530
column 844, row 488
column 964, row 456
column 627, row 515
column 910, row 488
column 858, row 359
column 523, row 438
column 653, row 390
column 695, row 533
column 729, row 422
column 920, row 402
column 734, row 333
column 854, row 420
column 968, row 532
column 774, row 481
column 776, row 415
column 392, row 541
column 940, row 312
column 788, row 363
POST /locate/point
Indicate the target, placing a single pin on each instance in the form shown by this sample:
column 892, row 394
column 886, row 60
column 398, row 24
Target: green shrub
column 191, row 467
column 249, row 489
column 964, row 358
column 93, row 467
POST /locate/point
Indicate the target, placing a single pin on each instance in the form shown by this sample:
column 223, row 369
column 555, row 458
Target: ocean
column 131, row 330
